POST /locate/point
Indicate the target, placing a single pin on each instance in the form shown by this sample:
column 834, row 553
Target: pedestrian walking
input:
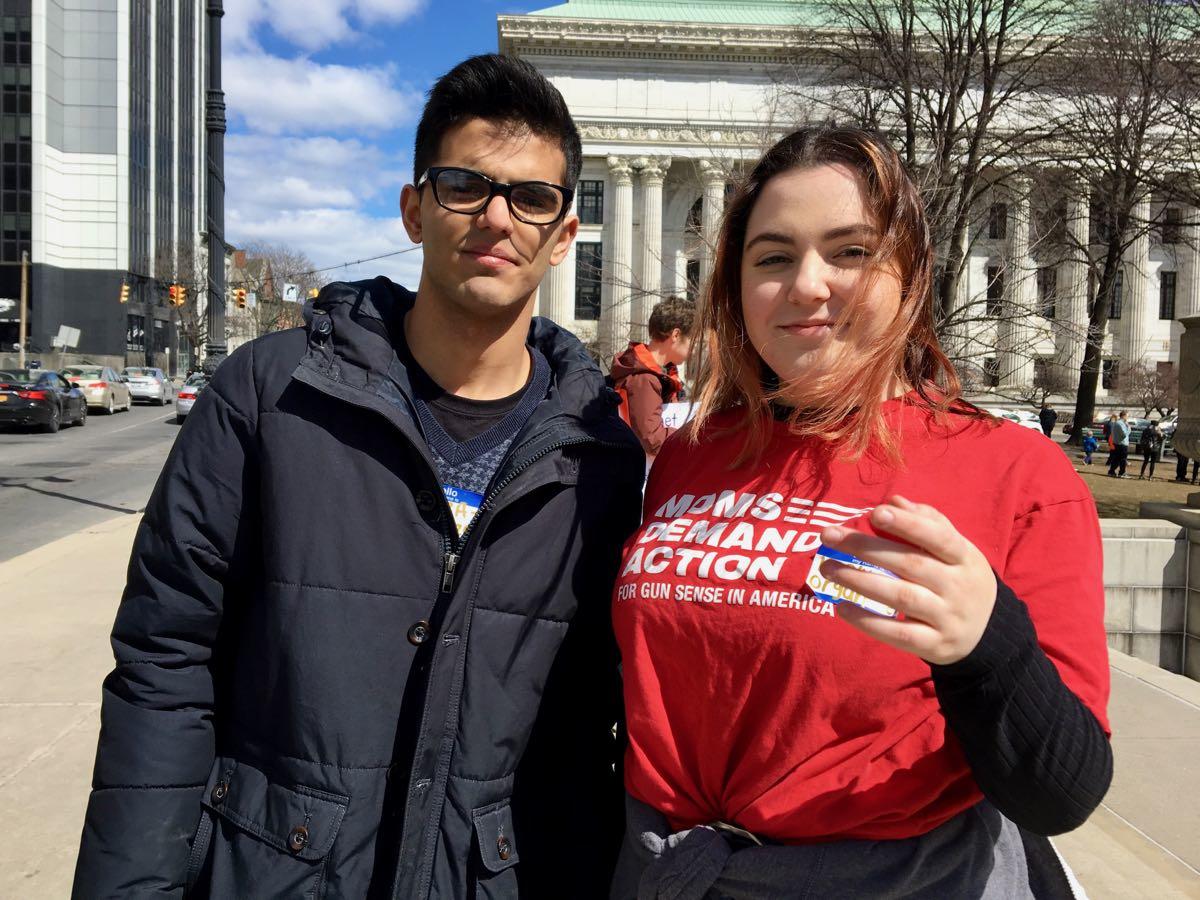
column 365, row 646
column 1149, row 445
column 1089, row 446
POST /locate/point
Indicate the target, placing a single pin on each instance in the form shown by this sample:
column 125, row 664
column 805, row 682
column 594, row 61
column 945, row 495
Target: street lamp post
column 214, row 120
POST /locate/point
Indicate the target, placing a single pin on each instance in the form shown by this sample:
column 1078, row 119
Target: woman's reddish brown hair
column 842, row 405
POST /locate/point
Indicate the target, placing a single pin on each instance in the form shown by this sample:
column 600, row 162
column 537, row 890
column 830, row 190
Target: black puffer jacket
column 320, row 691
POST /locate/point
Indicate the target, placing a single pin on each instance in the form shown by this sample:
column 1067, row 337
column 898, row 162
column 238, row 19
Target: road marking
column 138, row 424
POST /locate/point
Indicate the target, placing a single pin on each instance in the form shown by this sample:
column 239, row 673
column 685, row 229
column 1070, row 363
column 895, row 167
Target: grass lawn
column 1119, row 498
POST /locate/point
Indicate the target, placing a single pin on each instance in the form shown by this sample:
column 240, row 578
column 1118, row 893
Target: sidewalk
column 57, row 604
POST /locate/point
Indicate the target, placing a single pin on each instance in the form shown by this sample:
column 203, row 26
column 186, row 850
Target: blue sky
column 323, row 98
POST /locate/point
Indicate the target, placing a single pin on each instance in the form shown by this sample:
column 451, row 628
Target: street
column 52, row 485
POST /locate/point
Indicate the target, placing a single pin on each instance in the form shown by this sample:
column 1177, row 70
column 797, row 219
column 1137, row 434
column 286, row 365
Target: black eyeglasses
column 468, row 192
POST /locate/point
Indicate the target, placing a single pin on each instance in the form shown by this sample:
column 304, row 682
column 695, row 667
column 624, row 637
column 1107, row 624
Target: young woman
column 784, row 745
column 1150, row 445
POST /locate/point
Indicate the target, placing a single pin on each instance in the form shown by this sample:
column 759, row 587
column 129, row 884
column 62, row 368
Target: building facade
column 107, row 143
column 674, row 100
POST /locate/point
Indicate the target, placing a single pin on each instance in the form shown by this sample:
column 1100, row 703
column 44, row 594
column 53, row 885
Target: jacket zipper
column 453, row 556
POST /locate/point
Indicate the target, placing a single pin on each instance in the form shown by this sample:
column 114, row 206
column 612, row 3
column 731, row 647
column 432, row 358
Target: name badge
column 833, row 592
column 463, row 505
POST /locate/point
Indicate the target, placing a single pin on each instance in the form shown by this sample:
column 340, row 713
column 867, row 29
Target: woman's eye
column 855, row 252
column 772, row 260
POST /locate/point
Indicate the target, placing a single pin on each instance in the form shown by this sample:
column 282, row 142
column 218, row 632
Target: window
column 995, row 291
column 135, row 332
column 589, row 202
column 693, row 279
column 589, row 264
column 1109, row 375
column 998, row 221
column 991, row 371
column 160, row 336
column 1166, row 295
column 1116, row 300
column 1047, row 291
column 1172, row 220
column 1041, row 371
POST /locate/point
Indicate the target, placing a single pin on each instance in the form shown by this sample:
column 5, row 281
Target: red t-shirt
column 749, row 702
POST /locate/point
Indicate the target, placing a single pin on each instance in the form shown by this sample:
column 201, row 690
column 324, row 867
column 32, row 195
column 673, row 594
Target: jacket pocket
column 496, row 875
column 269, row 839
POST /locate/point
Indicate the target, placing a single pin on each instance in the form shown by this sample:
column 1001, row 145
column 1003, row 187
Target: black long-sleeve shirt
column 1038, row 754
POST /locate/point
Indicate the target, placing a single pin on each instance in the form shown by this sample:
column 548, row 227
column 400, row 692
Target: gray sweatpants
column 977, row 854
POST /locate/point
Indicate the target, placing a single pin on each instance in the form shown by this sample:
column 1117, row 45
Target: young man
column 647, row 375
column 364, row 650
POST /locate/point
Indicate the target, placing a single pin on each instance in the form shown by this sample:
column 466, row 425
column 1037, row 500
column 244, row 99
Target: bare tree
column 1120, row 135
column 948, row 81
column 1150, row 387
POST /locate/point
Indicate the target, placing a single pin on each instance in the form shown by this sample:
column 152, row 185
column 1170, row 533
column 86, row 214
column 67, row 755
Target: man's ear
column 410, row 212
column 566, row 234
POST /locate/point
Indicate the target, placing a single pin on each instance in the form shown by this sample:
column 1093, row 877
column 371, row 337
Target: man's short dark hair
column 672, row 313
column 498, row 89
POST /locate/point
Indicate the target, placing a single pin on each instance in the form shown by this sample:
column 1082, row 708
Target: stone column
column 712, row 176
column 614, row 321
column 1189, row 260
column 653, row 173
column 557, row 294
column 1136, row 285
column 1020, row 288
column 1071, row 309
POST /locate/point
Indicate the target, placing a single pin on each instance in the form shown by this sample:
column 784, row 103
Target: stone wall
column 1146, row 577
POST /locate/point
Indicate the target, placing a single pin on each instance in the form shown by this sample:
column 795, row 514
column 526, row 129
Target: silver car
column 187, row 396
column 148, row 384
column 102, row 387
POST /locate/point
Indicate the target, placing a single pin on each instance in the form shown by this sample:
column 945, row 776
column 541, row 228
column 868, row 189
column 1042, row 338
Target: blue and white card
column 464, row 505
column 832, row 592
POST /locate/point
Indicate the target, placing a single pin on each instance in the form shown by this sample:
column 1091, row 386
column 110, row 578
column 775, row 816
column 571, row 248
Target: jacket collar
column 350, row 341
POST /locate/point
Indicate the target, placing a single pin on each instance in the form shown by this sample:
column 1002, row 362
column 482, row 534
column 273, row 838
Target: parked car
column 187, row 396
column 148, row 384
column 102, row 386
column 40, row 397
column 1022, row 417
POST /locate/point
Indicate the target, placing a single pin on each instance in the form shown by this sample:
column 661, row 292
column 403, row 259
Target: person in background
column 1119, row 437
column 1181, row 466
column 647, row 375
column 1150, row 445
column 778, row 738
column 1089, row 446
column 1048, row 417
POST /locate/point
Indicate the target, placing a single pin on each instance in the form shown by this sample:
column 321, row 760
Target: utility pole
column 21, row 328
column 214, row 121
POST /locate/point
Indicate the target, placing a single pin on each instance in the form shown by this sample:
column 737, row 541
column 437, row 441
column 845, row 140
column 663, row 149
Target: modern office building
column 102, row 179
column 675, row 99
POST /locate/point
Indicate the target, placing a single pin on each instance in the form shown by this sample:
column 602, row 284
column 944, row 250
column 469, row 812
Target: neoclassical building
column 674, row 98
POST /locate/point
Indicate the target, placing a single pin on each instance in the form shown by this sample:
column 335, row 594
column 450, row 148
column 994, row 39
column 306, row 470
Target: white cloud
column 266, row 174
column 274, row 95
column 311, row 24
column 333, row 236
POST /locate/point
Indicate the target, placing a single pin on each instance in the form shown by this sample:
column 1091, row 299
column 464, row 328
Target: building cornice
column 674, row 135
column 613, row 39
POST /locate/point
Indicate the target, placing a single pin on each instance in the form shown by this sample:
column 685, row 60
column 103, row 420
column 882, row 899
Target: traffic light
column 124, row 296
column 180, row 295
column 173, row 294
column 239, row 297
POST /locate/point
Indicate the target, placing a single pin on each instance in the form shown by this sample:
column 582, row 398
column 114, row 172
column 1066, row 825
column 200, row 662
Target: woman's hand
column 946, row 588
